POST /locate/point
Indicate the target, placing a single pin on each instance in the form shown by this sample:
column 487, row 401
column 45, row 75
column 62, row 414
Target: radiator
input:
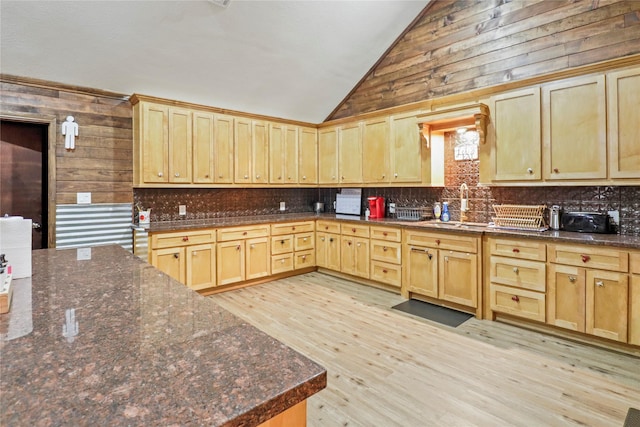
column 93, row 225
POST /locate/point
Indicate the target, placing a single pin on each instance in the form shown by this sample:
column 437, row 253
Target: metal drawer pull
column 282, row 242
column 529, row 170
column 384, row 233
column 185, row 239
column 437, row 241
column 322, row 238
column 304, row 257
column 194, row 253
column 252, row 246
column 515, row 298
column 358, row 244
column 238, row 248
column 384, row 271
column 176, row 256
column 177, row 174
column 282, row 260
column 572, row 279
column 331, row 240
column 305, row 239
column 585, row 258
column 160, row 174
column 516, row 250
column 384, row 248
column 600, row 283
column 515, row 270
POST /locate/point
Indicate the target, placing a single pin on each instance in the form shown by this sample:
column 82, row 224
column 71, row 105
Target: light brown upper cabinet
column 283, row 154
column 203, row 147
column 408, row 156
column 223, row 149
column 308, row 156
column 375, row 150
column 623, row 96
column 251, row 141
column 515, row 139
column 180, row 140
column 328, row 155
column 350, row 153
column 574, row 129
column 151, row 135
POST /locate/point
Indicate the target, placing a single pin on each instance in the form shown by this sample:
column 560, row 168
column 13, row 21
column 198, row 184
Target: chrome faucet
column 464, row 201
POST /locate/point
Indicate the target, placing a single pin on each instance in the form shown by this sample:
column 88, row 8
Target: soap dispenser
column 445, row 211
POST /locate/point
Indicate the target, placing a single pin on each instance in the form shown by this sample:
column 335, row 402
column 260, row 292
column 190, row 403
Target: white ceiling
column 291, row 59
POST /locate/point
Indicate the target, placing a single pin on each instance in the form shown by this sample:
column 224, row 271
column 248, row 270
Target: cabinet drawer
column 328, row 227
column 389, row 274
column 304, row 259
column 182, row 238
column 234, row 233
column 291, row 227
column 460, row 243
column 590, row 257
column 518, row 302
column 386, row 251
column 354, row 230
column 535, row 251
column 304, row 241
column 281, row 263
column 388, row 234
column 634, row 260
column 518, row 273
column 282, row 244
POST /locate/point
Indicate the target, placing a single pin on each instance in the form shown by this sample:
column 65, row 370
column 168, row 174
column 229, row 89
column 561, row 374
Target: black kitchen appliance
column 586, row 222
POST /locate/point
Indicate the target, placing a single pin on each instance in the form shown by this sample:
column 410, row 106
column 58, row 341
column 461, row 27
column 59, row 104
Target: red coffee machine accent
column 376, row 207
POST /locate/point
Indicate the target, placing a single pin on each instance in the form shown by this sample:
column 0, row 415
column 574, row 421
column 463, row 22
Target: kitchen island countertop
column 110, row 340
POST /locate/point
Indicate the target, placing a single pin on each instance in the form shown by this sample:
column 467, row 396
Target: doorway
column 24, row 175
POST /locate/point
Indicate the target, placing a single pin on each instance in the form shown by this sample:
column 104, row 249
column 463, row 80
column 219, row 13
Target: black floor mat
column 633, row 418
column 443, row 315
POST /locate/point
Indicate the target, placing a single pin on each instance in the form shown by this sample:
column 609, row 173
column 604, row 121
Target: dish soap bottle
column 436, row 211
column 445, row 211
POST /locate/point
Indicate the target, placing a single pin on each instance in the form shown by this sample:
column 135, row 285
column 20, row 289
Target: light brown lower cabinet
column 243, row 253
column 354, row 253
column 328, row 250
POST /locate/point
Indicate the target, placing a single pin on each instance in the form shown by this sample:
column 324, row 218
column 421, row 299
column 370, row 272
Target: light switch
column 83, row 198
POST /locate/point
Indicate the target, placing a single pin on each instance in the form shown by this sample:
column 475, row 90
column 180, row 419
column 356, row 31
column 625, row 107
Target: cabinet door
column 607, row 306
column 276, row 153
column 347, row 254
column 361, row 258
column 308, row 156
column 260, row 153
column 170, row 261
column 333, row 252
column 203, row 147
column 201, row 266
column 516, row 145
column 322, row 246
column 291, row 155
column 634, row 310
column 375, row 151
column 458, row 277
column 258, row 258
column 328, row 156
column 223, row 153
column 574, row 129
column 230, row 262
column 180, row 148
column 623, row 91
column 566, row 297
column 155, row 143
column 408, row 156
column 421, row 270
column 350, row 154
column 242, row 149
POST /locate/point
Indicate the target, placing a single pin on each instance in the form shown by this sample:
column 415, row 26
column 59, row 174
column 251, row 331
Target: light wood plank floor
column 387, row 368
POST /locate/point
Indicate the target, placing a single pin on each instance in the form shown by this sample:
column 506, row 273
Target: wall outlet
column 283, row 206
column 182, row 210
column 83, row 198
column 392, row 208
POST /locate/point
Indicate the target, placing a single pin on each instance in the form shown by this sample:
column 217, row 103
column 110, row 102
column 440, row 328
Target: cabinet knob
column 349, row 243
column 384, row 248
column 599, row 283
column 437, row 241
column 353, row 230
column 194, row 253
column 244, row 233
column 516, row 250
column 358, row 244
column 585, row 258
column 333, row 177
column 572, row 279
column 257, row 176
column 282, row 242
column 395, row 175
column 304, row 177
column 331, row 240
column 238, row 248
column 529, row 171
column 176, row 256
column 177, row 174
column 206, row 176
column 515, row 270
column 515, row 298
column 279, row 177
column 304, row 257
column 555, row 170
column 342, row 178
column 382, row 176
column 282, row 260
column 246, row 177
column 305, row 239
column 185, row 239
column 326, row 227
column 384, row 271
column 384, row 233
column 446, row 259
column 160, row 174
column 322, row 238
column 220, row 176
column 293, row 228
column 252, row 246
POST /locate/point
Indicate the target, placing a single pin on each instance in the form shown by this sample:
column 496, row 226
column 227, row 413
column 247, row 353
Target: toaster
column 586, row 222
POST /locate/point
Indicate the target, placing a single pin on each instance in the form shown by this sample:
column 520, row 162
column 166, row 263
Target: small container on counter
column 445, row 212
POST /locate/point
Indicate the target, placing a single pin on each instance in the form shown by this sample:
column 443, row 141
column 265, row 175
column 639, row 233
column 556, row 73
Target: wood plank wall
column 458, row 46
column 102, row 162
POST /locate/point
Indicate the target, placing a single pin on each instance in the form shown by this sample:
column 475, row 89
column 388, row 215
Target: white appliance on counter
column 15, row 243
column 349, row 201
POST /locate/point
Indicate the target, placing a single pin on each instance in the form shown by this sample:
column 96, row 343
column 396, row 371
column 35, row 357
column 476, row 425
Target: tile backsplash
column 215, row 203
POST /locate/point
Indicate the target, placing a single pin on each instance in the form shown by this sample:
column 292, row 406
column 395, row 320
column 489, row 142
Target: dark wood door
column 23, row 175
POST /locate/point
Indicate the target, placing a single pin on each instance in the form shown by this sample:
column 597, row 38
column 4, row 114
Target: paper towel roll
column 15, row 243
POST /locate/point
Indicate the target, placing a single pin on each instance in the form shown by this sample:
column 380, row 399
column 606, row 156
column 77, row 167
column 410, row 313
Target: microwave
column 586, row 222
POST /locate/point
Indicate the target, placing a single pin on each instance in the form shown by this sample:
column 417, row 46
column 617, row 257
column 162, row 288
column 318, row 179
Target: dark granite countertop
column 631, row 242
column 111, row 340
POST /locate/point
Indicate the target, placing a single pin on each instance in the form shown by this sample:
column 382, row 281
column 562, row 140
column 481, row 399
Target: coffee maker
column 376, row 207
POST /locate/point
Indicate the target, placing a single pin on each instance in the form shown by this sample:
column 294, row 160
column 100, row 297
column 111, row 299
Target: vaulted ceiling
column 290, row 59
